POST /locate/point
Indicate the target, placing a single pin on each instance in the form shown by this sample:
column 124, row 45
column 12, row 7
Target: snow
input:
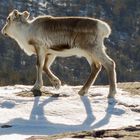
column 46, row 115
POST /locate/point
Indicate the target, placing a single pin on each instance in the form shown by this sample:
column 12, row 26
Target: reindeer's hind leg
column 95, row 69
column 53, row 79
column 109, row 65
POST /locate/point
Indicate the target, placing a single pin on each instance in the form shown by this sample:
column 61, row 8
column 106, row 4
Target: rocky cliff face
column 123, row 44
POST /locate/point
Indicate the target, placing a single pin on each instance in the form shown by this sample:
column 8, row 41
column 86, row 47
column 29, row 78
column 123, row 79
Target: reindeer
column 48, row 37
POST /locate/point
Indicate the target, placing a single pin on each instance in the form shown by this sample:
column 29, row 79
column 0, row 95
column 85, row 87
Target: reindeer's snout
column 3, row 32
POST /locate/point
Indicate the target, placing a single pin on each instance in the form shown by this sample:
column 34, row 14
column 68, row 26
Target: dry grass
column 132, row 87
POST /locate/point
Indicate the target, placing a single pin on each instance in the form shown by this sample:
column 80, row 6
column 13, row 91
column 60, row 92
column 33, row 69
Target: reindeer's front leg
column 40, row 63
column 53, row 79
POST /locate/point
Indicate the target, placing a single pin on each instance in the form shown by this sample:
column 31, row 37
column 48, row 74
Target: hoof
column 82, row 92
column 112, row 94
column 56, row 83
column 37, row 93
column 36, row 87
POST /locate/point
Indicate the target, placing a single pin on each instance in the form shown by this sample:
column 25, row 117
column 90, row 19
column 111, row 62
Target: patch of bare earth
column 128, row 133
column 36, row 93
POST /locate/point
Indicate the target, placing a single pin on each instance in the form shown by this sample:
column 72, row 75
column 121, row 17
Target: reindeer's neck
column 21, row 35
column 20, row 32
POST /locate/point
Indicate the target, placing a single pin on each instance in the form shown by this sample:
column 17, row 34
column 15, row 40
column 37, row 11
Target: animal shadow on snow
column 38, row 116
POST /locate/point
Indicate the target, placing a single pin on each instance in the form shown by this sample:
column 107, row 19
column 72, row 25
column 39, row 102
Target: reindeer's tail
column 104, row 29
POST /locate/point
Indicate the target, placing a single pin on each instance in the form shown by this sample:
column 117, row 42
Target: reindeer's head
column 14, row 19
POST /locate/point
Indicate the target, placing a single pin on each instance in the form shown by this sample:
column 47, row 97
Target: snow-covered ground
column 22, row 117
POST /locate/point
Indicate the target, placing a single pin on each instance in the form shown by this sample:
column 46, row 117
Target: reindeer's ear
column 26, row 14
column 15, row 13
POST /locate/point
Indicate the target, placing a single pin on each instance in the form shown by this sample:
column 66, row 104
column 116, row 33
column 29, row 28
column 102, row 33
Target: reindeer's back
column 76, row 24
